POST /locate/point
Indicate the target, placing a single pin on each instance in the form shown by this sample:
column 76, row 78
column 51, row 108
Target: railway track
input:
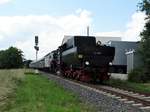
column 135, row 99
column 138, row 100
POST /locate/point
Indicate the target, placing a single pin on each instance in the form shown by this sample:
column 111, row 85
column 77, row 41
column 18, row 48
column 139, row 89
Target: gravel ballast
column 103, row 102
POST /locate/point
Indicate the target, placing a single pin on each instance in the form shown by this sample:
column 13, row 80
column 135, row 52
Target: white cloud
column 4, row 1
column 132, row 28
column 19, row 31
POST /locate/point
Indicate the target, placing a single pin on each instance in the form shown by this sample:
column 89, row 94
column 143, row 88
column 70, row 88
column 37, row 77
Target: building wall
column 121, row 47
column 133, row 60
column 130, row 61
column 105, row 39
column 119, row 76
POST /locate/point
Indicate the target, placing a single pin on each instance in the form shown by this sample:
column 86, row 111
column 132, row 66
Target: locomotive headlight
column 110, row 63
column 87, row 63
column 80, row 56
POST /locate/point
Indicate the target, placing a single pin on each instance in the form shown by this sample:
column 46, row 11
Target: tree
column 145, row 38
column 1, row 58
column 11, row 58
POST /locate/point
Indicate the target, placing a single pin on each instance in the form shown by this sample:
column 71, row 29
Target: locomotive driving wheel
column 85, row 77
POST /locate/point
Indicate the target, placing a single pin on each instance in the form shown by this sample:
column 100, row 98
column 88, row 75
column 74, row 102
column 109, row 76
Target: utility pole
column 88, row 31
column 36, row 46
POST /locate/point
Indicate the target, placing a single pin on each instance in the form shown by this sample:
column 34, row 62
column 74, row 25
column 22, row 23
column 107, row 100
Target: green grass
column 9, row 79
column 37, row 94
column 137, row 87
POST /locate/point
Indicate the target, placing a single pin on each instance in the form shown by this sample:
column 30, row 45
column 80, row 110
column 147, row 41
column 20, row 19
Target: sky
column 21, row 20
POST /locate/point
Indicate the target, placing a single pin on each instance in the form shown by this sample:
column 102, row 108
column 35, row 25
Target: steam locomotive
column 80, row 58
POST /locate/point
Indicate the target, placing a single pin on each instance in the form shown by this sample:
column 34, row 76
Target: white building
column 105, row 39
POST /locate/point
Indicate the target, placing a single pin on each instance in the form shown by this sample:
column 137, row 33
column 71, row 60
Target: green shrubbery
column 130, row 86
column 139, row 75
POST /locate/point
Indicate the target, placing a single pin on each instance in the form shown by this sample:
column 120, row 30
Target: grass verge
column 137, row 87
column 38, row 94
column 9, row 79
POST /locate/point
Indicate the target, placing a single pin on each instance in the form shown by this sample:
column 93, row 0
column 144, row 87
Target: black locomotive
column 81, row 58
column 84, row 59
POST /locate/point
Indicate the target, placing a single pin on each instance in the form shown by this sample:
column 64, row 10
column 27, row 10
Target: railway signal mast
column 36, row 46
column 88, row 30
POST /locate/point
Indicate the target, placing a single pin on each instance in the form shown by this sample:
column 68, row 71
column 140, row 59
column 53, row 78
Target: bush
column 11, row 58
column 146, row 76
column 139, row 75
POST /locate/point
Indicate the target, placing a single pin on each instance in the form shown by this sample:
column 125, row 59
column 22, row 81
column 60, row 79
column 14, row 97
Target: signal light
column 36, row 40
